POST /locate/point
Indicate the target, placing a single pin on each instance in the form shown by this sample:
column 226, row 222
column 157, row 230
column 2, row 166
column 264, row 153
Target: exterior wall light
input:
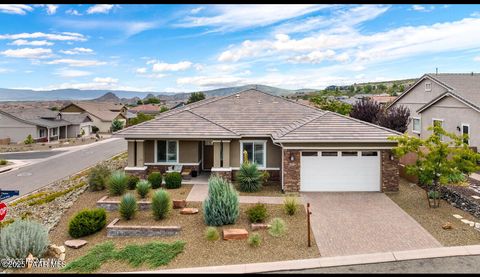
column 292, row 157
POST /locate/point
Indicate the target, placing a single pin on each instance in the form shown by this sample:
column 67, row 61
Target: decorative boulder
column 75, row 243
column 259, row 226
column 179, row 204
column 235, row 234
column 447, row 226
column 189, row 211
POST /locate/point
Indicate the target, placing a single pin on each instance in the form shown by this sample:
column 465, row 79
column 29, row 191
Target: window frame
column 264, row 142
column 166, row 151
column 433, row 124
column 461, row 131
column 413, row 125
column 429, row 84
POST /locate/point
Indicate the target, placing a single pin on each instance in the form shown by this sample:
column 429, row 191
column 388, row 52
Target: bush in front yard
column 211, row 234
column 254, row 240
column 132, row 181
column 277, row 228
column 173, row 180
column 117, row 183
column 3, row 162
column 128, row 206
column 249, row 178
column 143, row 188
column 155, row 178
column 97, row 177
column 257, row 213
column 22, row 237
column 161, row 204
column 221, row 207
column 290, row 205
column 87, row 222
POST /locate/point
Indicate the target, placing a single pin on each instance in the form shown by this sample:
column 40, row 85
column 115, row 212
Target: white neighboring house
column 449, row 99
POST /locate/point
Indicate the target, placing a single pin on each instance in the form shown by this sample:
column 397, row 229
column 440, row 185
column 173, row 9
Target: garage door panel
column 340, row 173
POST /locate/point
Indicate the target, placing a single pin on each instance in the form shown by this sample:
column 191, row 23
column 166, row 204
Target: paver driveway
column 349, row 223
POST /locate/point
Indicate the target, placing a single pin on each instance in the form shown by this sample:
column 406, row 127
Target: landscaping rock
column 466, row 221
column 235, row 234
column 475, row 197
column 189, row 211
column 458, row 216
column 179, row 204
column 447, row 226
column 62, row 257
column 260, row 226
column 477, row 226
column 75, row 243
column 29, row 260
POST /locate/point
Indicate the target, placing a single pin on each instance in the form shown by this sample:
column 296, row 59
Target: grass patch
column 28, row 198
column 155, row 254
column 52, row 196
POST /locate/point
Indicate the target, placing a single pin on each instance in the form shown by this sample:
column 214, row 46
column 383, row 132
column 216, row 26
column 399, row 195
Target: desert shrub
column 257, row 213
column 128, row 206
column 277, row 228
column 116, row 125
column 87, row 222
column 433, row 194
column 155, row 178
column 22, row 237
column 95, row 129
column 3, row 162
column 265, row 177
column 97, row 177
column 290, row 205
column 254, row 240
column 143, row 187
column 132, row 181
column 221, row 207
column 249, row 178
column 456, row 178
column 161, row 204
column 117, row 183
column 173, row 180
column 29, row 140
column 212, row 234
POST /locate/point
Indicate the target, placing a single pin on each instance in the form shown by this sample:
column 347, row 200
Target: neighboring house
column 150, row 109
column 175, row 105
column 43, row 125
column 78, row 123
column 305, row 148
column 452, row 100
column 101, row 113
column 382, row 99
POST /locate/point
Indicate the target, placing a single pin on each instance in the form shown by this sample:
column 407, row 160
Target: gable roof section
column 446, row 94
column 76, row 118
column 37, row 116
column 105, row 111
column 253, row 113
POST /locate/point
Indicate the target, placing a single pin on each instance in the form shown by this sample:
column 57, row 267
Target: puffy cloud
column 73, row 12
column 77, row 63
column 100, row 8
column 52, row 9
column 77, row 50
column 29, row 53
column 71, row 73
column 15, row 8
column 65, row 36
column 160, row 66
column 33, row 43
column 141, row 70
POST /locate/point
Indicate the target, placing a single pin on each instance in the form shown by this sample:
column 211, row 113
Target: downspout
column 280, row 145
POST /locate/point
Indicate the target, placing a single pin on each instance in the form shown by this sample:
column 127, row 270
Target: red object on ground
column 3, row 211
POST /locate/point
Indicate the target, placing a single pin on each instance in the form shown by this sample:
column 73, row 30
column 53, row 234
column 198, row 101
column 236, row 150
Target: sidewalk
column 332, row 261
column 200, row 191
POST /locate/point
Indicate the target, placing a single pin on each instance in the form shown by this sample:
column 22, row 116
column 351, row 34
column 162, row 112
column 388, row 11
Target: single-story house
column 42, row 124
column 150, row 109
column 78, row 123
column 101, row 113
column 304, row 148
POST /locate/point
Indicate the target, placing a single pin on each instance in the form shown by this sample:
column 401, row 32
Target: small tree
column 326, row 104
column 29, row 140
column 163, row 109
column 141, row 117
column 366, row 110
column 196, row 96
column 116, row 125
column 395, row 118
column 437, row 159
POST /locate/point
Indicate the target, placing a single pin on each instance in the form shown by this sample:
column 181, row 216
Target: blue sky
column 198, row 47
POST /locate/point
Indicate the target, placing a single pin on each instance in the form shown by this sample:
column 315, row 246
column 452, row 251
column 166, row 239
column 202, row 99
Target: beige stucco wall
column 16, row 130
column 188, row 151
column 453, row 113
column 274, row 153
column 149, row 147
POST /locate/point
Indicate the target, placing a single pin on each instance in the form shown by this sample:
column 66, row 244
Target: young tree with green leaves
column 116, row 125
column 326, row 104
column 196, row 96
column 163, row 109
column 439, row 156
column 141, row 117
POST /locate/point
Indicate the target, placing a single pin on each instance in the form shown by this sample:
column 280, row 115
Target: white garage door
column 340, row 171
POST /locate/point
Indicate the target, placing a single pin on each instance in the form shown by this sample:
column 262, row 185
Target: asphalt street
column 39, row 174
column 29, row 155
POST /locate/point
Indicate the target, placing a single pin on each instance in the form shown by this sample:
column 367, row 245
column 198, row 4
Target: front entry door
column 207, row 157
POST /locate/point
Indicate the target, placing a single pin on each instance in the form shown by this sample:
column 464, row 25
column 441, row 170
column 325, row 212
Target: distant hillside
column 107, row 97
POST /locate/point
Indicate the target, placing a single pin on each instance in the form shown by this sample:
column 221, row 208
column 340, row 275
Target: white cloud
column 420, row 8
column 28, row 53
column 73, row 12
column 3, row 70
column 208, row 81
column 234, row 17
column 100, row 8
column 160, row 66
column 71, row 73
column 314, row 57
column 77, row 63
column 196, row 10
column 108, row 80
column 103, row 83
column 15, row 8
column 477, row 58
column 33, row 43
column 77, row 50
column 50, row 8
column 141, row 70
column 65, row 36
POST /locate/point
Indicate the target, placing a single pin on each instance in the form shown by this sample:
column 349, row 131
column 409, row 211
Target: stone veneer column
column 291, row 170
column 389, row 171
column 140, row 153
column 131, row 153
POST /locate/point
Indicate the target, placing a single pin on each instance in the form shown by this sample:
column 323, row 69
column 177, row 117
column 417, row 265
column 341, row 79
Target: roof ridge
column 365, row 122
column 286, row 99
column 455, row 95
column 443, row 83
column 209, row 120
column 297, row 124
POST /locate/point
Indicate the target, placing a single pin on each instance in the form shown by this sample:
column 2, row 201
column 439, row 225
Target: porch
column 48, row 134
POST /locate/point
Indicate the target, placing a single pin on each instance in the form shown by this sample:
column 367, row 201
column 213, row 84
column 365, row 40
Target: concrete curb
column 332, row 261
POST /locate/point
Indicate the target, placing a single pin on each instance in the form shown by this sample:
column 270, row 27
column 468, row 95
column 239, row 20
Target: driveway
column 349, row 223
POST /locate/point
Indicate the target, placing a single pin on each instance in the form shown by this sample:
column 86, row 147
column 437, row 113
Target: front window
column 167, row 151
column 42, row 133
column 255, row 151
column 416, row 125
column 466, row 131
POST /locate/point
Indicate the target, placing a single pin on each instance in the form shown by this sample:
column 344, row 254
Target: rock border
column 114, row 230
column 112, row 205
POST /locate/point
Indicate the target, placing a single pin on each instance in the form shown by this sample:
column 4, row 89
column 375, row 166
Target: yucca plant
column 161, row 204
column 143, row 188
column 22, row 237
column 221, row 207
column 249, row 178
column 290, row 205
column 128, row 206
column 117, row 183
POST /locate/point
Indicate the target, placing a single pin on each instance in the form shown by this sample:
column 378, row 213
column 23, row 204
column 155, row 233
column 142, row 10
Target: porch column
column 226, row 153
column 66, row 128
column 140, row 153
column 58, row 133
column 48, row 134
column 216, row 154
column 131, row 153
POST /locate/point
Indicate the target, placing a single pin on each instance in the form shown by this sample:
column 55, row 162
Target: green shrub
column 87, row 222
column 29, row 140
column 290, row 205
column 97, row 177
column 254, row 240
column 221, row 207
column 22, row 237
column 265, row 177
column 161, row 204
column 117, row 183
column 173, row 180
column 433, row 194
column 128, row 206
column 211, row 234
column 155, row 178
column 143, row 188
column 277, row 228
column 132, row 181
column 3, row 162
column 249, row 178
column 456, row 178
column 257, row 213
column 116, row 125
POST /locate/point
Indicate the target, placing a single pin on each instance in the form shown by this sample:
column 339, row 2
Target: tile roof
column 255, row 113
column 466, row 85
column 106, row 111
column 147, row 108
column 76, row 118
column 38, row 116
